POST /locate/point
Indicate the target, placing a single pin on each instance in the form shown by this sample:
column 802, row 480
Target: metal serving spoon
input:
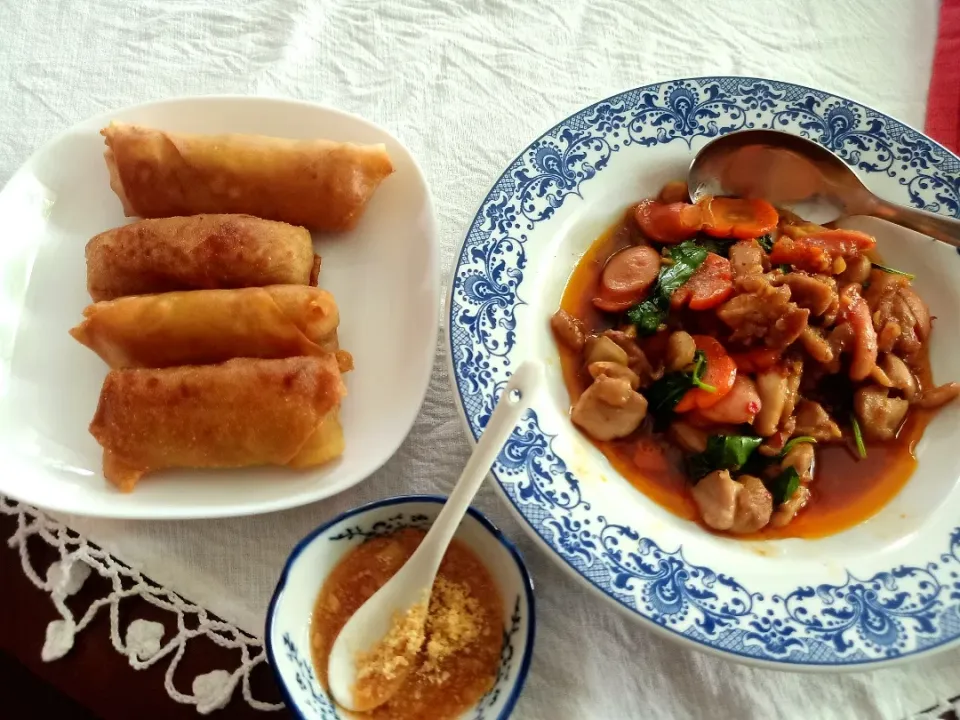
column 411, row 585
column 797, row 174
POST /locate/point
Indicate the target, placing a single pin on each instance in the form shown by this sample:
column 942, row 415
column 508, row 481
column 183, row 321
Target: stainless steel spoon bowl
column 801, row 176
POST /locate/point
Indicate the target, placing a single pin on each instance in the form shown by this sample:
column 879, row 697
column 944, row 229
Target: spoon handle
column 939, row 227
column 514, row 400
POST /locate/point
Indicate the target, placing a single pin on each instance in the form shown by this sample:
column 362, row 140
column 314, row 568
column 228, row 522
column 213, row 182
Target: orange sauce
column 442, row 685
column 845, row 491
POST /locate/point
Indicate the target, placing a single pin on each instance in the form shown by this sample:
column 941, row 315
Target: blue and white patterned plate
column 886, row 590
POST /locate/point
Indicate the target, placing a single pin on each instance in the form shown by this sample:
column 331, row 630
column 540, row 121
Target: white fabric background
column 466, row 85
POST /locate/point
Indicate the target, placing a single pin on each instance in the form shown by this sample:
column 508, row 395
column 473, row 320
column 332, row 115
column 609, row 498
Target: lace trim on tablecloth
column 143, row 641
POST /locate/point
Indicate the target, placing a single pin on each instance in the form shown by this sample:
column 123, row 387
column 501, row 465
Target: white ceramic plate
column 886, row 590
column 383, row 274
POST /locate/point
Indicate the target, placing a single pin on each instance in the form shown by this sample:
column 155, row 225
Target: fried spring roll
column 241, row 413
column 209, row 326
column 200, row 252
column 320, row 184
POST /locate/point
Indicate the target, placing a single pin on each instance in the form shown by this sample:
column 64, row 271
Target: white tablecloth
column 466, row 85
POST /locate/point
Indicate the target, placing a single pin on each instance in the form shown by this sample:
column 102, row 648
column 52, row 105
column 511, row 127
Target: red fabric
column 943, row 105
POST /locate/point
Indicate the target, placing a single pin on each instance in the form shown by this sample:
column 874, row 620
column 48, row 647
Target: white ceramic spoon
column 413, row 582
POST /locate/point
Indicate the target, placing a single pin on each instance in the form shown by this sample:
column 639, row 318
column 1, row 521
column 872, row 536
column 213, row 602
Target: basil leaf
column 699, row 466
column 699, row 368
column 665, row 393
column 724, row 452
column 649, row 315
column 796, row 441
column 735, row 450
column 687, row 257
column 893, row 271
column 784, row 268
column 766, row 242
column 784, row 485
column 858, row 437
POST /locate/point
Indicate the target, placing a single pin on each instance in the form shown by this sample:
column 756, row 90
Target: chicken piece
column 901, row 316
column 879, row 414
column 788, row 509
column 568, row 330
column 754, row 506
column 881, row 286
column 801, row 458
column 765, row 314
column 716, row 498
column 879, row 376
column 816, row 345
column 899, row 375
column 939, row 396
column 840, row 339
column 888, row 335
column 740, row 405
column 680, row 350
column 613, row 370
column 817, row 293
column 794, row 374
column 746, row 260
column 636, row 358
column 855, row 311
column 689, row 438
column 609, row 409
column 599, row 348
column 920, row 311
column 772, row 390
column 858, row 271
column 813, row 421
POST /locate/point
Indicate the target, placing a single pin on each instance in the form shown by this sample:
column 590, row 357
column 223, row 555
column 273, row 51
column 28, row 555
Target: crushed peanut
column 453, row 623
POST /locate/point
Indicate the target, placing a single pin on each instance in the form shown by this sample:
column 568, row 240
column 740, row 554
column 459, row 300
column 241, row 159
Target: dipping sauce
column 458, row 657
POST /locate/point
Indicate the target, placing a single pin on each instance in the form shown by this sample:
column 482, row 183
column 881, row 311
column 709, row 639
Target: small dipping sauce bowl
column 291, row 609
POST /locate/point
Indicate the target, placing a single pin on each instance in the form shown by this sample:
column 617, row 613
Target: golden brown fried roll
column 320, row 184
column 209, row 326
column 241, row 413
column 204, row 251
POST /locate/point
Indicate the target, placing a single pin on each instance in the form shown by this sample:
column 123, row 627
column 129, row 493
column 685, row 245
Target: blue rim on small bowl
column 525, row 580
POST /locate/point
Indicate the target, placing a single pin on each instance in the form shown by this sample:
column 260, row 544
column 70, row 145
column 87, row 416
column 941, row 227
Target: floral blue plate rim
column 490, row 526
column 884, row 617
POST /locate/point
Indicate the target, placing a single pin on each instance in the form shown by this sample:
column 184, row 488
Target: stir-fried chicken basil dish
column 743, row 367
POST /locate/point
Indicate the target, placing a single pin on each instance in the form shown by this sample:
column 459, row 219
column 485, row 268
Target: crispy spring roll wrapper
column 199, row 252
column 202, row 327
column 240, row 413
column 320, row 184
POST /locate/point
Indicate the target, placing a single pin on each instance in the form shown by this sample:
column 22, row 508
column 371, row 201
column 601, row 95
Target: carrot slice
column 710, row 285
column 738, row 218
column 721, row 373
column 627, row 277
column 846, row 242
column 672, row 223
column 817, row 252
